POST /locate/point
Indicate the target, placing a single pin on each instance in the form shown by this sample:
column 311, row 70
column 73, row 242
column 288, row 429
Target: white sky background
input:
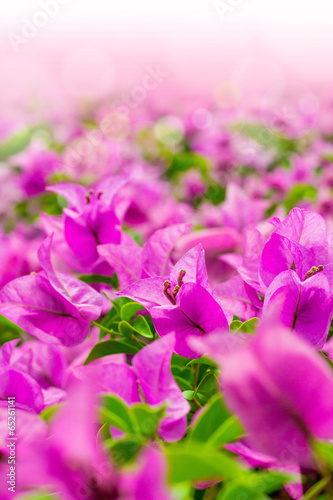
column 189, row 32
column 281, row 14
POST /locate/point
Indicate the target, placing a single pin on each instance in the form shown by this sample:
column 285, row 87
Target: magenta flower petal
column 26, row 391
column 148, row 292
column 81, row 240
column 152, row 367
column 156, row 255
column 149, row 482
column 306, row 306
column 196, row 314
column 276, row 405
column 75, row 194
column 280, row 254
column 86, row 300
column 125, row 259
column 116, row 378
column 193, row 262
column 37, row 308
column 232, row 296
column 307, row 229
column 46, row 363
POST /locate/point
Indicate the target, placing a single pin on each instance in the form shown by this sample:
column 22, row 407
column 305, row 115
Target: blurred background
column 89, row 48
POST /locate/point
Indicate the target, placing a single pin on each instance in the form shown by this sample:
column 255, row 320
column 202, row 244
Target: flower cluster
column 166, row 304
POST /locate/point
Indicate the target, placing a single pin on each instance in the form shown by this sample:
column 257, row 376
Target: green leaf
column 248, row 326
column 48, row 413
column 108, row 347
column 97, row 278
column 234, row 325
column 147, row 418
column 189, row 395
column 181, row 162
column 126, row 329
column 8, row 326
column 124, row 450
column 298, row 193
column 229, row 431
column 207, row 388
column 129, row 310
column 193, row 462
column 202, row 361
column 139, row 420
column 324, row 452
column 253, row 486
column 15, row 144
column 210, row 420
column 116, row 413
column 104, row 432
column 119, row 302
column 141, row 326
column 183, row 383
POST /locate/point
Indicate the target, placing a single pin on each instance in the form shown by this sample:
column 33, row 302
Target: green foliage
column 215, row 426
column 108, row 347
column 15, row 144
column 49, row 412
column 184, row 161
column 8, row 330
column 100, row 278
column 139, row 423
column 298, row 193
column 248, row 326
column 254, row 486
column 191, row 461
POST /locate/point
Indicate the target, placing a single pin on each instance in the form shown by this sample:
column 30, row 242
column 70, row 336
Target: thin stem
column 196, row 376
column 313, row 492
column 103, row 328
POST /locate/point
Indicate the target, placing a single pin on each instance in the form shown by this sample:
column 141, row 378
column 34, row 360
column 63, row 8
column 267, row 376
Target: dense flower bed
column 166, row 305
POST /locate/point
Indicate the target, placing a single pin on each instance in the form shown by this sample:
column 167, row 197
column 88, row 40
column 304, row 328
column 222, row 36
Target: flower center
column 167, row 288
column 88, row 196
column 314, row 270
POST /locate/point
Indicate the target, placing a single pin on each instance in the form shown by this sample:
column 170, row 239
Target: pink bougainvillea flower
column 196, row 312
column 298, row 243
column 216, row 242
column 150, row 376
column 37, row 164
column 152, row 367
column 90, row 219
column 306, row 306
column 76, row 460
column 85, row 299
column 149, row 479
column 184, row 304
column 131, row 262
column 26, row 391
column 157, row 251
column 117, row 378
column 45, row 363
column 30, row 433
column 249, row 287
column 233, row 298
column 254, row 458
column 275, row 405
column 54, row 307
column 239, row 210
column 14, row 262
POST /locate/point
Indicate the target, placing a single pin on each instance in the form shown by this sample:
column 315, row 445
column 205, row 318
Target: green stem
column 313, row 492
column 103, row 328
column 196, row 376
